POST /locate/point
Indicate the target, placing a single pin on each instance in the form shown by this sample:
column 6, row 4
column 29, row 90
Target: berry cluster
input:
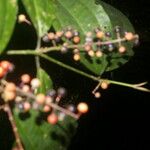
column 25, row 98
column 95, row 43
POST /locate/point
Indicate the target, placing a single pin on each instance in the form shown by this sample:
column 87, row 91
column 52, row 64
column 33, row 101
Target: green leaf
column 37, row 134
column 84, row 16
column 40, row 13
column 8, row 13
column 117, row 18
column 46, row 82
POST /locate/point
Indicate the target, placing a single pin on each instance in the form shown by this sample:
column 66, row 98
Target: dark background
column 120, row 119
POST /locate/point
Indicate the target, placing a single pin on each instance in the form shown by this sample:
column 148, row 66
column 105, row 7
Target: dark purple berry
column 61, row 91
column 51, row 93
column 108, row 34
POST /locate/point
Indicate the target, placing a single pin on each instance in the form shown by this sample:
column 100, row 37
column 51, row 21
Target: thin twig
column 14, row 127
column 28, row 52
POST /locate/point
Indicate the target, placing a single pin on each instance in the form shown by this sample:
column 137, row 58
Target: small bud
column 22, row 18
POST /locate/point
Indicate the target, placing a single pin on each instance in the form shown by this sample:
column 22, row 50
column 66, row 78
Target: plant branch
column 33, row 97
column 73, row 46
column 14, row 127
column 31, row 52
column 37, row 59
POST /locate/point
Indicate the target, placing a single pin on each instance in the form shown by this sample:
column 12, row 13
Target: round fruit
column 46, row 108
column 76, row 57
column 52, row 119
column 104, row 85
column 129, row 36
column 51, row 36
column 97, row 95
column 82, row 107
column 40, row 98
column 35, row 83
column 25, row 78
column 122, row 49
column 76, row 39
column 10, row 87
column 26, row 106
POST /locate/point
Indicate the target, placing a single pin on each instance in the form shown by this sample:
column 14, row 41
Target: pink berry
column 46, row 108
column 25, row 78
column 52, row 119
column 26, row 106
